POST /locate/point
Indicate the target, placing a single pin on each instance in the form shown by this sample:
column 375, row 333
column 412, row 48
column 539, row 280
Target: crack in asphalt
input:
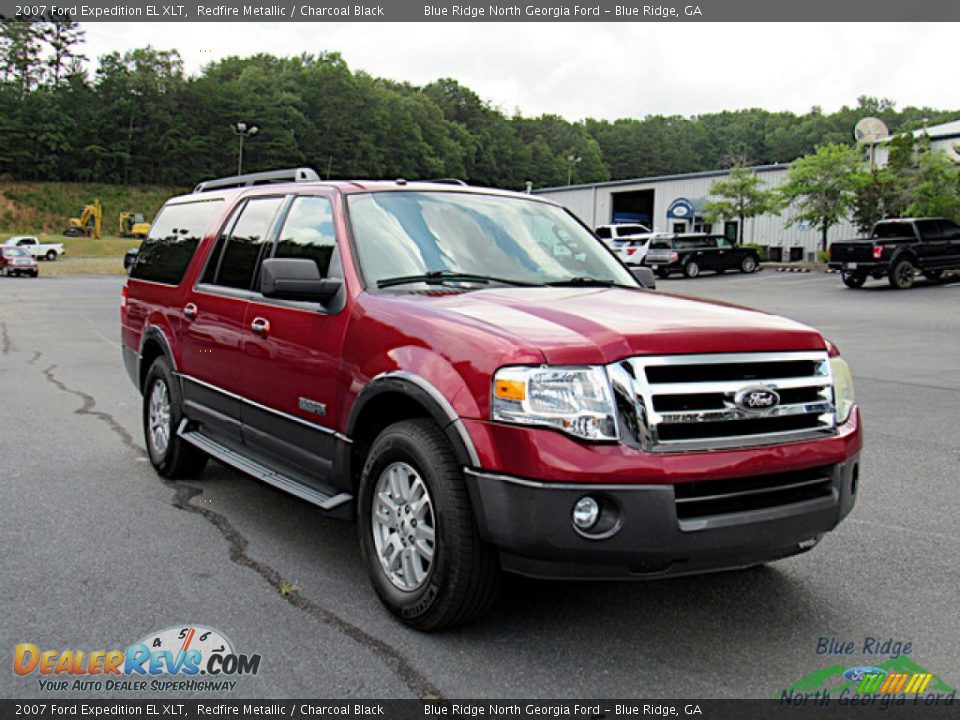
column 183, row 494
column 88, row 409
column 36, row 356
column 6, row 344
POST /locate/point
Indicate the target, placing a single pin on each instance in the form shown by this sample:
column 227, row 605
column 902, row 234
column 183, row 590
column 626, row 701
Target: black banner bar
column 860, row 706
column 538, row 11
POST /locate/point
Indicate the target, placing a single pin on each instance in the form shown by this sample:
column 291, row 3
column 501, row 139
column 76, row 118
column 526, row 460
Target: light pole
column 572, row 160
column 244, row 131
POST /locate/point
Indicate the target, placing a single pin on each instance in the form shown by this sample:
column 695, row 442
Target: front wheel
column 748, row 265
column 418, row 535
column 691, row 269
column 853, row 280
column 170, row 455
column 901, row 275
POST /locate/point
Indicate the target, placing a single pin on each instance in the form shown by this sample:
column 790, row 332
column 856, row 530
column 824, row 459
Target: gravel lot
column 99, row 552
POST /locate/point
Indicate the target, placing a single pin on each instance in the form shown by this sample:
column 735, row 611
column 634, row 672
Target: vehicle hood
column 602, row 325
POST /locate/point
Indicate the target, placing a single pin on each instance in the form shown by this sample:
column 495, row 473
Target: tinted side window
column 308, row 232
column 604, row 233
column 928, row 229
column 950, row 230
column 243, row 247
column 173, row 239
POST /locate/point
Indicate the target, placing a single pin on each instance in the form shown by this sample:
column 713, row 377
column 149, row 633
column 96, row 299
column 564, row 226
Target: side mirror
column 296, row 279
column 645, row 277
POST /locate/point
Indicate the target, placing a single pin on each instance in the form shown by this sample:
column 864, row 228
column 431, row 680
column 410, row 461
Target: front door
column 214, row 330
column 292, row 351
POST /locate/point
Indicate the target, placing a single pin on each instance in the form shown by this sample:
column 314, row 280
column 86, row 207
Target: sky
column 601, row 70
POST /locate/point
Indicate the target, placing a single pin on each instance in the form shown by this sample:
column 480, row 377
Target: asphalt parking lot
column 99, row 552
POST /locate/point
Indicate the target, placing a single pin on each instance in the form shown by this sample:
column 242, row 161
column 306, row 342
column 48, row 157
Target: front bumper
column 530, row 523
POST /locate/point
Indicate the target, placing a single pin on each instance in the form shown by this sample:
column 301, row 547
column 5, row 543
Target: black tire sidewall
column 895, row 274
column 853, row 280
column 160, row 371
column 395, row 445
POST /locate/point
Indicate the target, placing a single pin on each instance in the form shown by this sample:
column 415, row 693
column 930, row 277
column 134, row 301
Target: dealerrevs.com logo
column 184, row 658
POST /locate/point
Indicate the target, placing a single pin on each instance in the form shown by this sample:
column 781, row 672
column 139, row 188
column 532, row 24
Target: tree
column 64, row 38
column 821, row 187
column 936, row 188
column 20, row 46
column 741, row 195
column 874, row 197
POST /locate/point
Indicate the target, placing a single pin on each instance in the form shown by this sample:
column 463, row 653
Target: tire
column 691, row 269
column 748, row 264
column 664, row 274
column 901, row 275
column 456, row 580
column 35, row 273
column 6, row 272
column 933, row 275
column 853, row 280
column 51, row 255
column 173, row 457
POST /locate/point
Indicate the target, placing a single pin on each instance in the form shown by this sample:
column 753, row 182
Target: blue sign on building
column 680, row 209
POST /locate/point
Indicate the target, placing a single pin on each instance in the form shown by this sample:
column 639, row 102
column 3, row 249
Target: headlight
column 842, row 388
column 576, row 400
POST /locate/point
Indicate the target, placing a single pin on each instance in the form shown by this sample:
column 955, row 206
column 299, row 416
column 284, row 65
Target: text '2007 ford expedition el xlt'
column 478, row 382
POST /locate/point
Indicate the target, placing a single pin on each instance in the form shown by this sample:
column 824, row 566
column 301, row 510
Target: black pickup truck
column 897, row 249
column 690, row 254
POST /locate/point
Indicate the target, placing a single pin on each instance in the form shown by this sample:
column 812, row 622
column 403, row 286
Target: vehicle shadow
column 598, row 637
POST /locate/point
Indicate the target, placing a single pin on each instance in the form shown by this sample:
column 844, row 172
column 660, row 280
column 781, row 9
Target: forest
column 138, row 118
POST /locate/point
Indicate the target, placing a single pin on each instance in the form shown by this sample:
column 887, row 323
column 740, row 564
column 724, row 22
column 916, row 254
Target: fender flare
column 904, row 254
column 156, row 334
column 428, row 396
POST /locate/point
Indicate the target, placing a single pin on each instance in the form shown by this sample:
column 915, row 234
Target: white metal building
column 673, row 203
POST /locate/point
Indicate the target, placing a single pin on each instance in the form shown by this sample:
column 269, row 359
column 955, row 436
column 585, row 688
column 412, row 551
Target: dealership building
column 674, row 203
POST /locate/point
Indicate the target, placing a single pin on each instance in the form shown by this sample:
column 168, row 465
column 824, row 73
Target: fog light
column 585, row 513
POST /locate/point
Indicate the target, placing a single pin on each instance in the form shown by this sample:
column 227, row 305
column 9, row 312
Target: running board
column 262, row 472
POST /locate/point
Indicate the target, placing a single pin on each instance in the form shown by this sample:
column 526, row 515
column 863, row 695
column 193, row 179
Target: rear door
column 932, row 249
column 214, row 329
column 291, row 362
column 951, row 235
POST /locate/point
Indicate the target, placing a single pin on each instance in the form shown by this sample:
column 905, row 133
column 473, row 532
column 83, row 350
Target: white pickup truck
column 47, row 251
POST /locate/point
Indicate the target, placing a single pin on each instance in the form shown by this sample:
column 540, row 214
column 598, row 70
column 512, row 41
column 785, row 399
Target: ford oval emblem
column 757, row 399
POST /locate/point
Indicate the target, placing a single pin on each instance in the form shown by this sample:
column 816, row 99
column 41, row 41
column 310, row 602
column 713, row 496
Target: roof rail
column 448, row 181
column 260, row 178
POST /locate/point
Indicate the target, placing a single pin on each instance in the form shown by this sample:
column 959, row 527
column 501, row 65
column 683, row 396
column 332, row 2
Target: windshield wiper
column 584, row 281
column 439, row 277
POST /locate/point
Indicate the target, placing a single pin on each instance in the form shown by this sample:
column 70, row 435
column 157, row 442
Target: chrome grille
column 689, row 402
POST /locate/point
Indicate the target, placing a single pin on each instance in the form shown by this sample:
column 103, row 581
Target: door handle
column 261, row 326
column 190, row 311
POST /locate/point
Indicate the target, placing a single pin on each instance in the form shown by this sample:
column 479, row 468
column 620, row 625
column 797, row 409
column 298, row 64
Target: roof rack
column 261, row 178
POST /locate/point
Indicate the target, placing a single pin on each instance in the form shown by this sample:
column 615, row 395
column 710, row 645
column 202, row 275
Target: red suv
column 477, row 381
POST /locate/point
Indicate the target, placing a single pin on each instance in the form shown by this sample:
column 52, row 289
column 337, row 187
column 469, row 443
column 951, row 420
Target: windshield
column 401, row 233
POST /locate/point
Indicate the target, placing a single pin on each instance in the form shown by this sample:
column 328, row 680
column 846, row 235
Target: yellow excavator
column 133, row 225
column 88, row 224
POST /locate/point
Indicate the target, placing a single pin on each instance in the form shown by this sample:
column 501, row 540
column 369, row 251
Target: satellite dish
column 870, row 129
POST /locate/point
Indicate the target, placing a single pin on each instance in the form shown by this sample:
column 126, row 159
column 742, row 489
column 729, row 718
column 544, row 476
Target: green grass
column 31, row 208
column 104, row 247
